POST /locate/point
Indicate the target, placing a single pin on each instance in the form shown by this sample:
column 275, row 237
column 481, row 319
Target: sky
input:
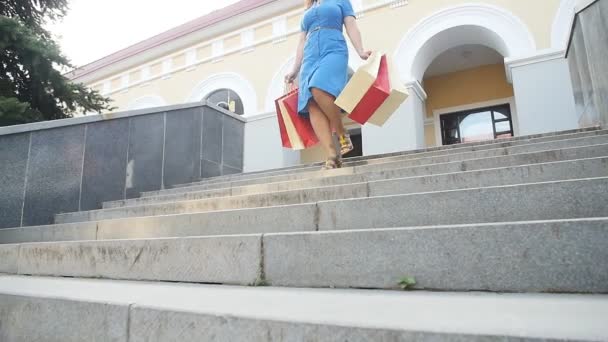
column 96, row 28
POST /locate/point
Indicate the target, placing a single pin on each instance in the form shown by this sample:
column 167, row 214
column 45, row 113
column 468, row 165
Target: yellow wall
column 382, row 29
column 462, row 88
column 429, row 135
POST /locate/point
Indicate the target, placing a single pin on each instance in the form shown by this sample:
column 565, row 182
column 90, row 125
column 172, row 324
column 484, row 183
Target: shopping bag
column 367, row 89
column 359, row 84
column 296, row 131
column 397, row 96
column 374, row 92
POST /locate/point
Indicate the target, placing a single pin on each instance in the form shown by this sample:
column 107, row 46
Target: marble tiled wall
column 588, row 59
column 78, row 167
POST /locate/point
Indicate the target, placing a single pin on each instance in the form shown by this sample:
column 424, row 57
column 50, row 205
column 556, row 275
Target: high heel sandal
column 332, row 163
column 346, row 145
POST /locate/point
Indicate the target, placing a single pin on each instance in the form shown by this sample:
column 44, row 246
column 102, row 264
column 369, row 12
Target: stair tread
column 579, row 317
column 309, row 187
column 231, row 190
column 451, row 149
column 389, row 162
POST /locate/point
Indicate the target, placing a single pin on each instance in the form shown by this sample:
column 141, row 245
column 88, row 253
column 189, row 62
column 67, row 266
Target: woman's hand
column 364, row 54
column 291, row 77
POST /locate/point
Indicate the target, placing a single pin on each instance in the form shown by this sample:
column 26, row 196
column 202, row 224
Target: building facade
column 476, row 70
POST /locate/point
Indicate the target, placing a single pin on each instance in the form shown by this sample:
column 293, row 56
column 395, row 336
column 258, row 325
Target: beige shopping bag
column 359, row 84
column 398, row 95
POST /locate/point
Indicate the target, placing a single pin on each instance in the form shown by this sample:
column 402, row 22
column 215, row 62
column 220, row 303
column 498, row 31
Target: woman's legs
column 321, row 125
column 327, row 104
column 329, row 108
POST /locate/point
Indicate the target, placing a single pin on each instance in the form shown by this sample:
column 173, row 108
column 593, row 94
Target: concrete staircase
column 507, row 241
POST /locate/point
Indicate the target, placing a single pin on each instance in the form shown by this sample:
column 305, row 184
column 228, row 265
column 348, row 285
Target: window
column 477, row 125
column 227, row 99
column 355, row 137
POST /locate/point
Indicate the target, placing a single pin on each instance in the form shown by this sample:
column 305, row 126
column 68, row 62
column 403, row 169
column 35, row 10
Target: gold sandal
column 346, row 145
column 332, row 163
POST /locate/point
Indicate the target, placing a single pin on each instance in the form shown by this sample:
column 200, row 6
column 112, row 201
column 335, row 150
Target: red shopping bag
column 296, row 131
column 375, row 96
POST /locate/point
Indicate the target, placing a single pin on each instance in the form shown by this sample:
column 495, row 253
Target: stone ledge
column 38, row 126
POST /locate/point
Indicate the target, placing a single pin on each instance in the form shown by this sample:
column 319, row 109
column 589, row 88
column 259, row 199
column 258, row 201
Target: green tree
column 31, row 86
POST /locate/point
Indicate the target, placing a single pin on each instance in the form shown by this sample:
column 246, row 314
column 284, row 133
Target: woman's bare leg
column 320, row 123
column 329, row 108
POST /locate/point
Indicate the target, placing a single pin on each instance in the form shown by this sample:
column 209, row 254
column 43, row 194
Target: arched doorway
column 468, row 97
column 489, row 32
column 218, row 84
column 227, row 99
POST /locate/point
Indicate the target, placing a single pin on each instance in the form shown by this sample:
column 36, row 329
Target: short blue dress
column 325, row 62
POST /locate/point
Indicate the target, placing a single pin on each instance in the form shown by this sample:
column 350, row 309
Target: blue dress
column 325, row 62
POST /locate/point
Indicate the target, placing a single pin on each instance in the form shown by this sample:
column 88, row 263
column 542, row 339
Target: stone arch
column 482, row 24
column 147, row 101
column 227, row 80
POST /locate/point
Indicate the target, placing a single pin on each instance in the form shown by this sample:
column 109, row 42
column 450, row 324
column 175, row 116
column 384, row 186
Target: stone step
column 121, row 311
column 583, row 198
column 367, row 160
column 568, row 256
column 392, row 164
column 433, row 150
column 586, row 168
column 415, row 171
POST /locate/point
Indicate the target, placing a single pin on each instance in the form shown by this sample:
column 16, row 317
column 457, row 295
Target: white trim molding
column 562, row 24
column 145, row 73
column 167, row 68
column 261, row 116
column 396, row 3
column 217, row 50
column 107, row 87
column 147, row 101
column 191, row 59
column 247, row 40
column 124, row 82
column 538, row 57
column 472, row 23
column 279, row 29
column 418, row 89
column 227, row 80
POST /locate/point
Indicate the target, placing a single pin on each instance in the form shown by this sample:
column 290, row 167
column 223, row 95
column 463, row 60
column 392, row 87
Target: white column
column 403, row 131
column 543, row 93
column 263, row 150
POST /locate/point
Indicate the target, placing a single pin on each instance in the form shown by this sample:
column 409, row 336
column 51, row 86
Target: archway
column 484, row 26
column 229, row 80
column 227, row 99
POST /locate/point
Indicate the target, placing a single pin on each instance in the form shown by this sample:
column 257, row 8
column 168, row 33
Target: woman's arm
column 352, row 29
column 289, row 78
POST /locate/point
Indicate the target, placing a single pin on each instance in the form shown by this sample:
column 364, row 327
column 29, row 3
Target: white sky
column 96, row 28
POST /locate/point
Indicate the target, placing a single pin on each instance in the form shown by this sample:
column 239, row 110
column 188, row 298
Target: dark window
column 355, row 137
column 477, row 125
column 227, row 99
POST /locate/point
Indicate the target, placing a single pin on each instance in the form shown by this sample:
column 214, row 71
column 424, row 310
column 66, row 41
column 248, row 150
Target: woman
column 322, row 62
